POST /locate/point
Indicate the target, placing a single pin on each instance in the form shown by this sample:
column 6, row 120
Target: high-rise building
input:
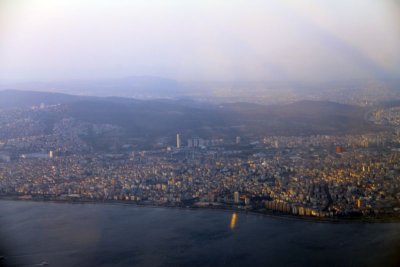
column 51, row 154
column 178, row 141
column 236, row 197
column 190, row 142
column 196, row 142
column 276, row 144
column 247, row 201
column 237, row 139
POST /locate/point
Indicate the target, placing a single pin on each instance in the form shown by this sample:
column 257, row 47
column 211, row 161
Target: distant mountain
column 134, row 86
column 355, row 92
column 157, row 118
column 299, row 118
column 23, row 99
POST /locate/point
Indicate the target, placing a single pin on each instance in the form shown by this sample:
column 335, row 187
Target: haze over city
column 47, row 40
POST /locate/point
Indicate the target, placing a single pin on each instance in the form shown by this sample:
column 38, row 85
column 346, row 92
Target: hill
column 157, row 118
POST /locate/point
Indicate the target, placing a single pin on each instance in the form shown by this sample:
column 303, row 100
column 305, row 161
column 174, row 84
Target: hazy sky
column 199, row 39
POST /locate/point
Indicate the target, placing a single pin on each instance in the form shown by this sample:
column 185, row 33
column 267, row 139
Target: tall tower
column 178, row 141
column 236, row 197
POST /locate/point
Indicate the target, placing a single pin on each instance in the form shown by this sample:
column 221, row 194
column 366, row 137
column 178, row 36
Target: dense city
column 321, row 176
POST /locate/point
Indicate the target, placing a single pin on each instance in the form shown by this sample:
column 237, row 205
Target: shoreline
column 268, row 214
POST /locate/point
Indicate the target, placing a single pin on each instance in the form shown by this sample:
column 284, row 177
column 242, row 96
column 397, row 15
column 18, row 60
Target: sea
column 66, row 234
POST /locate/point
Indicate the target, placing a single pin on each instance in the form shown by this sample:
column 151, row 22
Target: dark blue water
column 115, row 235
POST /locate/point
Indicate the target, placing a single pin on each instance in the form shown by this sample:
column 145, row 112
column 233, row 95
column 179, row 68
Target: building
column 195, row 142
column 237, row 139
column 5, row 157
column 358, row 203
column 276, row 144
column 236, row 197
column 178, row 141
column 339, row 149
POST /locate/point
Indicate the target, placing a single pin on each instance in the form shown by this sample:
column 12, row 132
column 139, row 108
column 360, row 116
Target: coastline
column 264, row 213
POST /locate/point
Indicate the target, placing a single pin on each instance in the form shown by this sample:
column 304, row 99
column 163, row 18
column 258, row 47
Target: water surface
column 123, row 235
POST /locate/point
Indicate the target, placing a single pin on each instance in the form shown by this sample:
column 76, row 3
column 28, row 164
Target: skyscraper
column 178, row 141
column 236, row 197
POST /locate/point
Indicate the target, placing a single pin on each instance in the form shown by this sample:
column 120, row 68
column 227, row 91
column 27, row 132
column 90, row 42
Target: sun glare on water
column 233, row 221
